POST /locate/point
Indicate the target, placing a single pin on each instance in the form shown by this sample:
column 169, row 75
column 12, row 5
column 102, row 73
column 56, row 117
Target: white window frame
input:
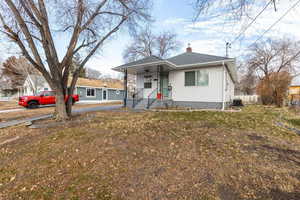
column 196, row 78
column 86, row 92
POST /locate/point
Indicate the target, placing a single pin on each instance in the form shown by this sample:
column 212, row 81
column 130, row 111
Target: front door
column 164, row 83
column 104, row 95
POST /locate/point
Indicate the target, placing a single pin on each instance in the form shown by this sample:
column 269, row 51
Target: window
column 147, row 85
column 196, row 78
column 202, row 77
column 47, row 93
column 90, row 92
column 190, row 78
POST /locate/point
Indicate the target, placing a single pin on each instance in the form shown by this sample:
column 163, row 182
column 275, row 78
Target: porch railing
column 152, row 97
column 138, row 96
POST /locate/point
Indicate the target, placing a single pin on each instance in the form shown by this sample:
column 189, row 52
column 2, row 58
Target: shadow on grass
column 228, row 193
column 284, row 154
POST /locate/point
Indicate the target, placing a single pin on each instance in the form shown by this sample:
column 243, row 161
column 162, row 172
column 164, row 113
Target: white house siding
column 27, row 89
column 140, row 82
column 229, row 88
column 210, row 93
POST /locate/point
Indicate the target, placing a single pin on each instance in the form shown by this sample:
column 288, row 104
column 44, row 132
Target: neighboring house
column 89, row 90
column 187, row 80
column 294, row 91
column 8, row 90
column 33, row 84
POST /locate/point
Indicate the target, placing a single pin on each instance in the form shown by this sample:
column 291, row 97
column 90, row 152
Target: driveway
column 75, row 111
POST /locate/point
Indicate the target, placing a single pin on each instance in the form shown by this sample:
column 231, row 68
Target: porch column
column 125, row 87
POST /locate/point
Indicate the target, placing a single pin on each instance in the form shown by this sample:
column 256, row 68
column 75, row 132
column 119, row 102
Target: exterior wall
column 141, row 79
column 210, row 93
column 27, row 89
column 81, row 91
column 114, row 94
column 229, row 88
column 199, row 105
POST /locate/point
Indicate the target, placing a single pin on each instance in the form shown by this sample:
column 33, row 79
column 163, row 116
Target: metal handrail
column 138, row 96
column 152, row 100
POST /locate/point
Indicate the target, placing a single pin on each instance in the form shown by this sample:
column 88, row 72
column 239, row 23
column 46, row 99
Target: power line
column 266, row 6
column 276, row 22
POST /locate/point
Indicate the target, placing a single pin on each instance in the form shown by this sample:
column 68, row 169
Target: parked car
column 43, row 98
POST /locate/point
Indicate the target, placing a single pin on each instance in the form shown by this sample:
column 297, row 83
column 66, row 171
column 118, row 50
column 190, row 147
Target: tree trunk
column 61, row 108
column 69, row 102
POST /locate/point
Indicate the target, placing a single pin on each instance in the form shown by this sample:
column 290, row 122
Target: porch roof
column 146, row 64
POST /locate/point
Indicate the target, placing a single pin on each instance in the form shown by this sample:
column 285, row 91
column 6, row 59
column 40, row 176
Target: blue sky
column 206, row 35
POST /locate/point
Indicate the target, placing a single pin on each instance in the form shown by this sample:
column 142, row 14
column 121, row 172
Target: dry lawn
column 5, row 105
column 42, row 111
column 154, row 156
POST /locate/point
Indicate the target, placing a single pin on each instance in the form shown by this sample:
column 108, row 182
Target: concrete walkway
column 80, row 110
column 12, row 110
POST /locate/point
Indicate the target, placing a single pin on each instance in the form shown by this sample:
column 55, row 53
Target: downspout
column 125, row 87
column 223, row 89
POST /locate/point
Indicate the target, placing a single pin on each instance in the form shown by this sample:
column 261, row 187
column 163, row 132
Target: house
column 187, row 80
column 9, row 90
column 33, row 84
column 294, row 91
column 89, row 90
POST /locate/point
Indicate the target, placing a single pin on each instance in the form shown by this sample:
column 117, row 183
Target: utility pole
column 274, row 2
column 228, row 46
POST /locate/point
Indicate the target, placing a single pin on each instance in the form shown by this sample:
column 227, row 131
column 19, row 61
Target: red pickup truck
column 43, row 98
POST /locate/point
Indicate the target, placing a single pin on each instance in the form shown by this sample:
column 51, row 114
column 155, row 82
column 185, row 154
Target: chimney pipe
column 189, row 49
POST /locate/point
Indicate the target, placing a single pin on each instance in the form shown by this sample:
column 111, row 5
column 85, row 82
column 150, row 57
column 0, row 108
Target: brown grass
column 154, row 155
column 42, row 111
column 4, row 105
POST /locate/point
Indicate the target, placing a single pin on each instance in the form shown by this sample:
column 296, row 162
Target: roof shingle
column 190, row 58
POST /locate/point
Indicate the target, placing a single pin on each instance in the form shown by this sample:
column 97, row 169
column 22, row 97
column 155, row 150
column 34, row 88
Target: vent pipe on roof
column 189, row 49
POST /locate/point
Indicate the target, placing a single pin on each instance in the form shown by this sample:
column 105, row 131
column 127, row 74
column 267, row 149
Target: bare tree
column 145, row 43
column 234, row 9
column 76, row 64
column 15, row 71
column 93, row 74
column 274, row 56
column 274, row 63
column 33, row 24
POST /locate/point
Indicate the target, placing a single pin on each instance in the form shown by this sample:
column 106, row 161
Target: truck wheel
column 33, row 105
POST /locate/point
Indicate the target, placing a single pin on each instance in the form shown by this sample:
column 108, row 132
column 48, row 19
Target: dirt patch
column 147, row 155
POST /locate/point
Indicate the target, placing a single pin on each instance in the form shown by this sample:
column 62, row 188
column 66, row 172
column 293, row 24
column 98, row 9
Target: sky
column 206, row 35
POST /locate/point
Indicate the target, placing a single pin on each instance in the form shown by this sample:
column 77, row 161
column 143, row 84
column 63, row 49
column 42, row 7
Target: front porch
column 152, row 84
column 152, row 88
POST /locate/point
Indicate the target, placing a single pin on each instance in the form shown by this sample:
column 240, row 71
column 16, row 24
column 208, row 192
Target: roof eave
column 122, row 68
column 205, row 63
